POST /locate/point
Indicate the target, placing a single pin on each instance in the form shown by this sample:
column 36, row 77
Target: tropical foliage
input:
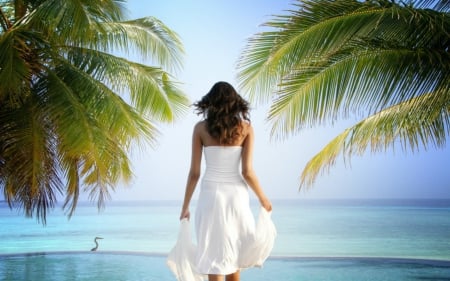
column 385, row 62
column 72, row 105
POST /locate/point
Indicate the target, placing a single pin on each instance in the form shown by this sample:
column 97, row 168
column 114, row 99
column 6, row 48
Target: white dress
column 228, row 239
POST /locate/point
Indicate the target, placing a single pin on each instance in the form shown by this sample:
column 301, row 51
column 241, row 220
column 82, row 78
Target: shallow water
column 109, row 266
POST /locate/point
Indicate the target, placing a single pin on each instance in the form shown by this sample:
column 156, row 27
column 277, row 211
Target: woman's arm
column 247, row 170
column 194, row 171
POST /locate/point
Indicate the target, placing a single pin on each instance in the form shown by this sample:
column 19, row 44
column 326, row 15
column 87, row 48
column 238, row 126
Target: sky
column 214, row 34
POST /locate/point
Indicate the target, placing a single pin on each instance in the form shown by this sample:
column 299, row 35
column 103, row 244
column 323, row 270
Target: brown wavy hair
column 224, row 110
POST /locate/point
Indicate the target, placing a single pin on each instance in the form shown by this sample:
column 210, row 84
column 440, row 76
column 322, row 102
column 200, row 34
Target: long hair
column 224, row 110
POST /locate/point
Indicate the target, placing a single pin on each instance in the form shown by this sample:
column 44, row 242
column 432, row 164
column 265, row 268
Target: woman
column 227, row 240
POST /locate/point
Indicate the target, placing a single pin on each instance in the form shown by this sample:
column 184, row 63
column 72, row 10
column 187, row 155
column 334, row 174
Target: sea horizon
column 306, row 227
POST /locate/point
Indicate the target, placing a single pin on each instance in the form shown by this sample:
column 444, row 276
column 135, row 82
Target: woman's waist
column 222, row 176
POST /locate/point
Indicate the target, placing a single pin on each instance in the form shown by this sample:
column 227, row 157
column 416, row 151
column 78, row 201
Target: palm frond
column 368, row 81
column 269, row 56
column 30, row 168
column 14, row 70
column 440, row 5
column 109, row 117
column 148, row 36
column 101, row 27
column 149, row 88
column 58, row 18
column 70, row 166
column 411, row 124
column 314, row 33
column 102, row 102
column 88, row 138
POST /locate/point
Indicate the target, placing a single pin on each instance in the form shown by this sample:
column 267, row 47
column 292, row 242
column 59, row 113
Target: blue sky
column 214, row 34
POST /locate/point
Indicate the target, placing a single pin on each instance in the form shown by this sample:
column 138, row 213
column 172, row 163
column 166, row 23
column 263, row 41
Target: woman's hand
column 185, row 214
column 266, row 204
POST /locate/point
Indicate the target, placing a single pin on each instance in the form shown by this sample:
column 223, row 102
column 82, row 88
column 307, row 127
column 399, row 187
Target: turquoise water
column 123, row 266
column 317, row 240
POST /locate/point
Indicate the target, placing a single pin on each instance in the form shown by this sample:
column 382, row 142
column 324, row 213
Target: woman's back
column 222, row 163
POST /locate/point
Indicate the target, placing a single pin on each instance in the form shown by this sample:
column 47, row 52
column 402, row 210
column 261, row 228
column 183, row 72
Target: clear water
column 317, row 240
column 123, row 266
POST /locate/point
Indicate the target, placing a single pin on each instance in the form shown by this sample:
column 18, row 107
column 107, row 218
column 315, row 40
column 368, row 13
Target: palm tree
column 72, row 107
column 385, row 62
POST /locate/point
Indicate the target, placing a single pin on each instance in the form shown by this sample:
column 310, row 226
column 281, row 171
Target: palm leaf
column 30, row 173
column 412, row 124
column 358, row 82
column 269, row 56
column 314, row 33
column 58, row 18
column 146, row 86
column 100, row 26
column 14, row 70
column 148, row 36
column 96, row 148
column 332, row 59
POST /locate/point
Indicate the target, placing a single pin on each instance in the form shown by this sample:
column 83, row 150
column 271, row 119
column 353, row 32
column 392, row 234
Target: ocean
column 317, row 240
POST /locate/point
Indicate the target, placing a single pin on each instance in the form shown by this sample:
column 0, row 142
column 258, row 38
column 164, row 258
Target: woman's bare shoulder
column 201, row 131
column 200, row 125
